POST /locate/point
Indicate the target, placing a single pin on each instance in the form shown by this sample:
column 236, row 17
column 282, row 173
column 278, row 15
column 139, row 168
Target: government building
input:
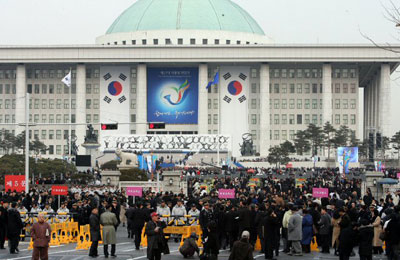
column 154, row 64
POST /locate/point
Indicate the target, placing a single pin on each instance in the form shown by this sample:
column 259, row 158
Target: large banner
column 115, row 98
column 346, row 155
column 234, row 87
column 172, row 95
column 14, row 182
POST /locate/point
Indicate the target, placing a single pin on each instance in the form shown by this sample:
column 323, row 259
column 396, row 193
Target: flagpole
column 70, row 120
column 219, row 118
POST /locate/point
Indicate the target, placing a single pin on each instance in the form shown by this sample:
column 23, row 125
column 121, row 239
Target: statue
column 247, row 148
column 128, row 160
column 74, row 147
column 91, row 137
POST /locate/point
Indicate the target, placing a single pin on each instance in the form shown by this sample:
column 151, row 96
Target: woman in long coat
column 307, row 231
column 376, row 223
column 336, row 231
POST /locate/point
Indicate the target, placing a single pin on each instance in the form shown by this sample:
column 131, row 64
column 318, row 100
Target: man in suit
column 295, row 232
column 156, row 243
column 14, row 228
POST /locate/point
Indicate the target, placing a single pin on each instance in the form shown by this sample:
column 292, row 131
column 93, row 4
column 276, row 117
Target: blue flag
column 214, row 82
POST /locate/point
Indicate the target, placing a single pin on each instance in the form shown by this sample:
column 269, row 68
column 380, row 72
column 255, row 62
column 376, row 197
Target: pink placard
column 134, row 191
column 226, row 193
column 320, row 192
column 398, row 175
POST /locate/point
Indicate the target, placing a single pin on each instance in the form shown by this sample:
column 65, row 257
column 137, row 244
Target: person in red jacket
column 41, row 234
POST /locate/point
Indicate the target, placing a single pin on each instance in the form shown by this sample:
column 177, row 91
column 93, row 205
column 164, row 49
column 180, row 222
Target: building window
column 228, row 42
column 315, row 119
column 66, row 103
column 276, row 104
column 353, row 104
column 192, row 41
column 307, row 73
column 133, row 118
column 284, row 73
column 299, row 73
column 44, row 135
column 66, row 118
column 299, row 119
column 155, row 41
column 44, row 118
column 306, row 104
column 291, row 119
column 276, row 88
column 168, row 41
column 88, row 103
column 291, row 73
column 337, row 103
column 215, row 119
column 352, row 73
column 180, row 41
column 284, row 88
column 133, row 88
column 58, row 118
column 59, row 89
column 307, row 88
column 51, row 149
column 209, row 103
column 254, row 134
column 345, row 103
column 314, row 88
column 345, row 88
column 275, row 73
column 253, row 103
column 51, row 89
column 58, row 104
column 276, row 134
column 253, row 73
column 51, row 118
column 88, row 118
column 291, row 103
column 253, row 88
column 58, row 149
column 353, row 88
column 299, row 104
column 144, row 42
column 320, row 104
column 315, row 104
column 299, row 88
column 336, row 73
column 209, row 119
column 284, row 119
column 284, row 134
column 58, row 134
column 205, row 41
column 73, row 103
column 133, row 42
column 133, row 104
column 253, row 119
column 345, row 73
column 95, row 103
column 307, row 119
column 291, row 88
column 36, row 118
column 337, row 119
column 276, row 119
column 284, row 103
column 291, row 134
column 7, row 104
column 345, row 119
column 353, row 119
column 44, row 89
column 215, row 103
column 337, row 88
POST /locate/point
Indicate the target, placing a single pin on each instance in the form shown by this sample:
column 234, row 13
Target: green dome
column 221, row 15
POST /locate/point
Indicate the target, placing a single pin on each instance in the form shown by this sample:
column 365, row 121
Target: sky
column 59, row 22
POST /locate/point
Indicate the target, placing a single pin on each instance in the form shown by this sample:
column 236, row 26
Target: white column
column 327, row 93
column 203, row 110
column 370, row 105
column 384, row 101
column 264, row 110
column 375, row 97
column 20, row 98
column 365, row 111
column 141, row 95
column 80, row 109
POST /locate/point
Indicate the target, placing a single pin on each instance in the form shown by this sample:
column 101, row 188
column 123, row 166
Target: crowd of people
column 280, row 212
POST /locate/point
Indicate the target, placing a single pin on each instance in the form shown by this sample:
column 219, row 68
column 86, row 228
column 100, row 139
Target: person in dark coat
column 138, row 219
column 189, row 246
column 206, row 216
column 14, row 228
column 365, row 238
column 95, row 234
column 347, row 242
column 3, row 223
column 270, row 225
column 307, row 231
column 324, row 230
column 129, row 217
column 242, row 249
column 211, row 243
column 231, row 226
column 244, row 217
column 156, row 243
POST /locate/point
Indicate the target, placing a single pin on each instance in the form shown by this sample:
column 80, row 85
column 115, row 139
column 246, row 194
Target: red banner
column 15, row 182
column 59, row 190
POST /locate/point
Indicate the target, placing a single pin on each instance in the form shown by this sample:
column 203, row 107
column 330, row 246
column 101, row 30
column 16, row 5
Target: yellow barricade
column 73, row 232
column 143, row 241
column 63, row 237
column 54, row 241
column 314, row 245
column 84, row 238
